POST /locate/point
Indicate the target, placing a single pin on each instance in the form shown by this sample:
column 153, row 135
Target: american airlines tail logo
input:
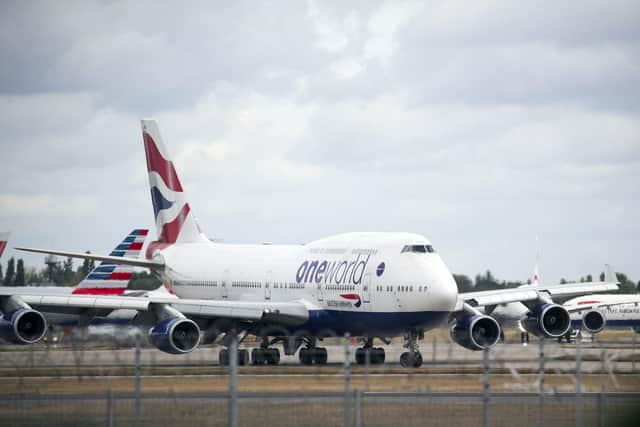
column 353, row 297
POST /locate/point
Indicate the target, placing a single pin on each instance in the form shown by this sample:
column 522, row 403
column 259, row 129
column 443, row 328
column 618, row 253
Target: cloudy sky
column 477, row 124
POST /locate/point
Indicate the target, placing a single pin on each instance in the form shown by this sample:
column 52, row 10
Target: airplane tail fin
column 536, row 265
column 610, row 275
column 175, row 223
column 111, row 279
column 4, row 238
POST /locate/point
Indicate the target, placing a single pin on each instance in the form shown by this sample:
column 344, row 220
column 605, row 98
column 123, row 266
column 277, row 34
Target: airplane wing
column 281, row 312
column 504, row 296
column 153, row 265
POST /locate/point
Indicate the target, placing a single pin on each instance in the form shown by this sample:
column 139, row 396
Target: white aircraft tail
column 109, row 278
column 4, row 238
column 610, row 274
column 175, row 222
column 536, row 265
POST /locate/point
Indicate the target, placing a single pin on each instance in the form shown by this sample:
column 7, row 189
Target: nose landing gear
column 413, row 357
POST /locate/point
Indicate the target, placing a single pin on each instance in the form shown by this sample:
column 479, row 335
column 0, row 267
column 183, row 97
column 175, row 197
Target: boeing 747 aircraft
column 367, row 284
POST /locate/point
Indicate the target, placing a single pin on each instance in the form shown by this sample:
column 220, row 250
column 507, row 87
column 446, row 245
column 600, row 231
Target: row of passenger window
column 340, row 287
column 400, row 288
column 200, row 284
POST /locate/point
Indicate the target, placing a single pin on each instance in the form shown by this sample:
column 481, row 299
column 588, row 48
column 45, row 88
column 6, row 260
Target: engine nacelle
column 476, row 332
column 593, row 321
column 547, row 320
column 175, row 335
column 23, row 326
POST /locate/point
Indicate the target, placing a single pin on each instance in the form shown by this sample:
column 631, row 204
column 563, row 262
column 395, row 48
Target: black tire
column 360, row 356
column 406, row 360
column 305, row 356
column 320, row 356
column 223, row 357
column 243, row 357
column 417, row 360
column 377, row 356
column 272, row 356
column 257, row 356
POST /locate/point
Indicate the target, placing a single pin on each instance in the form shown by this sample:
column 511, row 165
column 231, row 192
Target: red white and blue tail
column 175, row 222
column 4, row 238
column 109, row 278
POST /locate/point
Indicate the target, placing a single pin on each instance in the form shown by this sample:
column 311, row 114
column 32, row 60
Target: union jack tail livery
column 109, row 278
column 175, row 222
column 4, row 238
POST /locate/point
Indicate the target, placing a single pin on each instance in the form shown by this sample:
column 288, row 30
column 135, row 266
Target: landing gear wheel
column 376, row 355
column 223, row 357
column 320, row 356
column 257, row 356
column 306, row 356
column 272, row 356
column 411, row 359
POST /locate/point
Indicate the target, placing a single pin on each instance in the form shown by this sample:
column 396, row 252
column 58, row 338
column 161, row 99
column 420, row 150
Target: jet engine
column 593, row 321
column 547, row 320
column 23, row 326
column 476, row 332
column 175, row 335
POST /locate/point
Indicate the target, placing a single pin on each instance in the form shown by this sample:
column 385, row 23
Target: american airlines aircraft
column 367, row 284
column 105, row 279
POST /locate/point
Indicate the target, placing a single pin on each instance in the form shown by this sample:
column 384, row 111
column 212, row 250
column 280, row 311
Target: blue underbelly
column 371, row 323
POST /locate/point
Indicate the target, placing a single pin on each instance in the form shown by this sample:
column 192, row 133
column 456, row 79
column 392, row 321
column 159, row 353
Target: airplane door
column 267, row 285
column 366, row 289
column 225, row 283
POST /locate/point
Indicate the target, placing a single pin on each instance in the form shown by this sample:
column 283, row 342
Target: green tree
column 626, row 286
column 1, row 276
column 8, row 277
column 143, row 281
column 563, row 281
column 67, row 272
column 589, row 278
column 20, row 279
column 464, row 283
column 87, row 266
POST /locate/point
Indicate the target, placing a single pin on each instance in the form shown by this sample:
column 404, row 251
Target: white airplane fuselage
column 360, row 283
column 624, row 314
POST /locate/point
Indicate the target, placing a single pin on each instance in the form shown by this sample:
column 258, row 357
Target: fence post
column 347, row 381
column 578, row 401
column 109, row 408
column 433, row 349
column 485, row 388
column 633, row 353
column 137, row 382
column 601, row 401
column 358, row 403
column 233, row 380
column 541, row 385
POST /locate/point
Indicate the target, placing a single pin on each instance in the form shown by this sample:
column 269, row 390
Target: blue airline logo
column 333, row 272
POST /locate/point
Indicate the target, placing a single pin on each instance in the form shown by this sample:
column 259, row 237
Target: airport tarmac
column 513, row 367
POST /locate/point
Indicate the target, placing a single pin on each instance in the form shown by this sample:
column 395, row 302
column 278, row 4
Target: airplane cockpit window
column 420, row 249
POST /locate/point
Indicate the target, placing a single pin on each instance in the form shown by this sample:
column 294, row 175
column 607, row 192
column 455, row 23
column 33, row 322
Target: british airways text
column 333, row 272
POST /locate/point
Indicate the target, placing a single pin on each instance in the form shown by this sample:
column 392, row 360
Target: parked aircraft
column 104, row 279
column 616, row 311
column 367, row 284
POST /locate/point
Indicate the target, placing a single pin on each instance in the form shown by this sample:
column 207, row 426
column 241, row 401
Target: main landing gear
column 243, row 357
column 265, row 355
column 311, row 354
column 411, row 358
column 375, row 355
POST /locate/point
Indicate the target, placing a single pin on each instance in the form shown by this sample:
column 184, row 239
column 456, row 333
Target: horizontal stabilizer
column 153, row 265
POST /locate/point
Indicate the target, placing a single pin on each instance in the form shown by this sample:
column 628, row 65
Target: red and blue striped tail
column 109, row 278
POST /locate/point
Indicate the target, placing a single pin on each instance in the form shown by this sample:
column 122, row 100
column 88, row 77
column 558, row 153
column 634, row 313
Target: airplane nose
column 444, row 293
